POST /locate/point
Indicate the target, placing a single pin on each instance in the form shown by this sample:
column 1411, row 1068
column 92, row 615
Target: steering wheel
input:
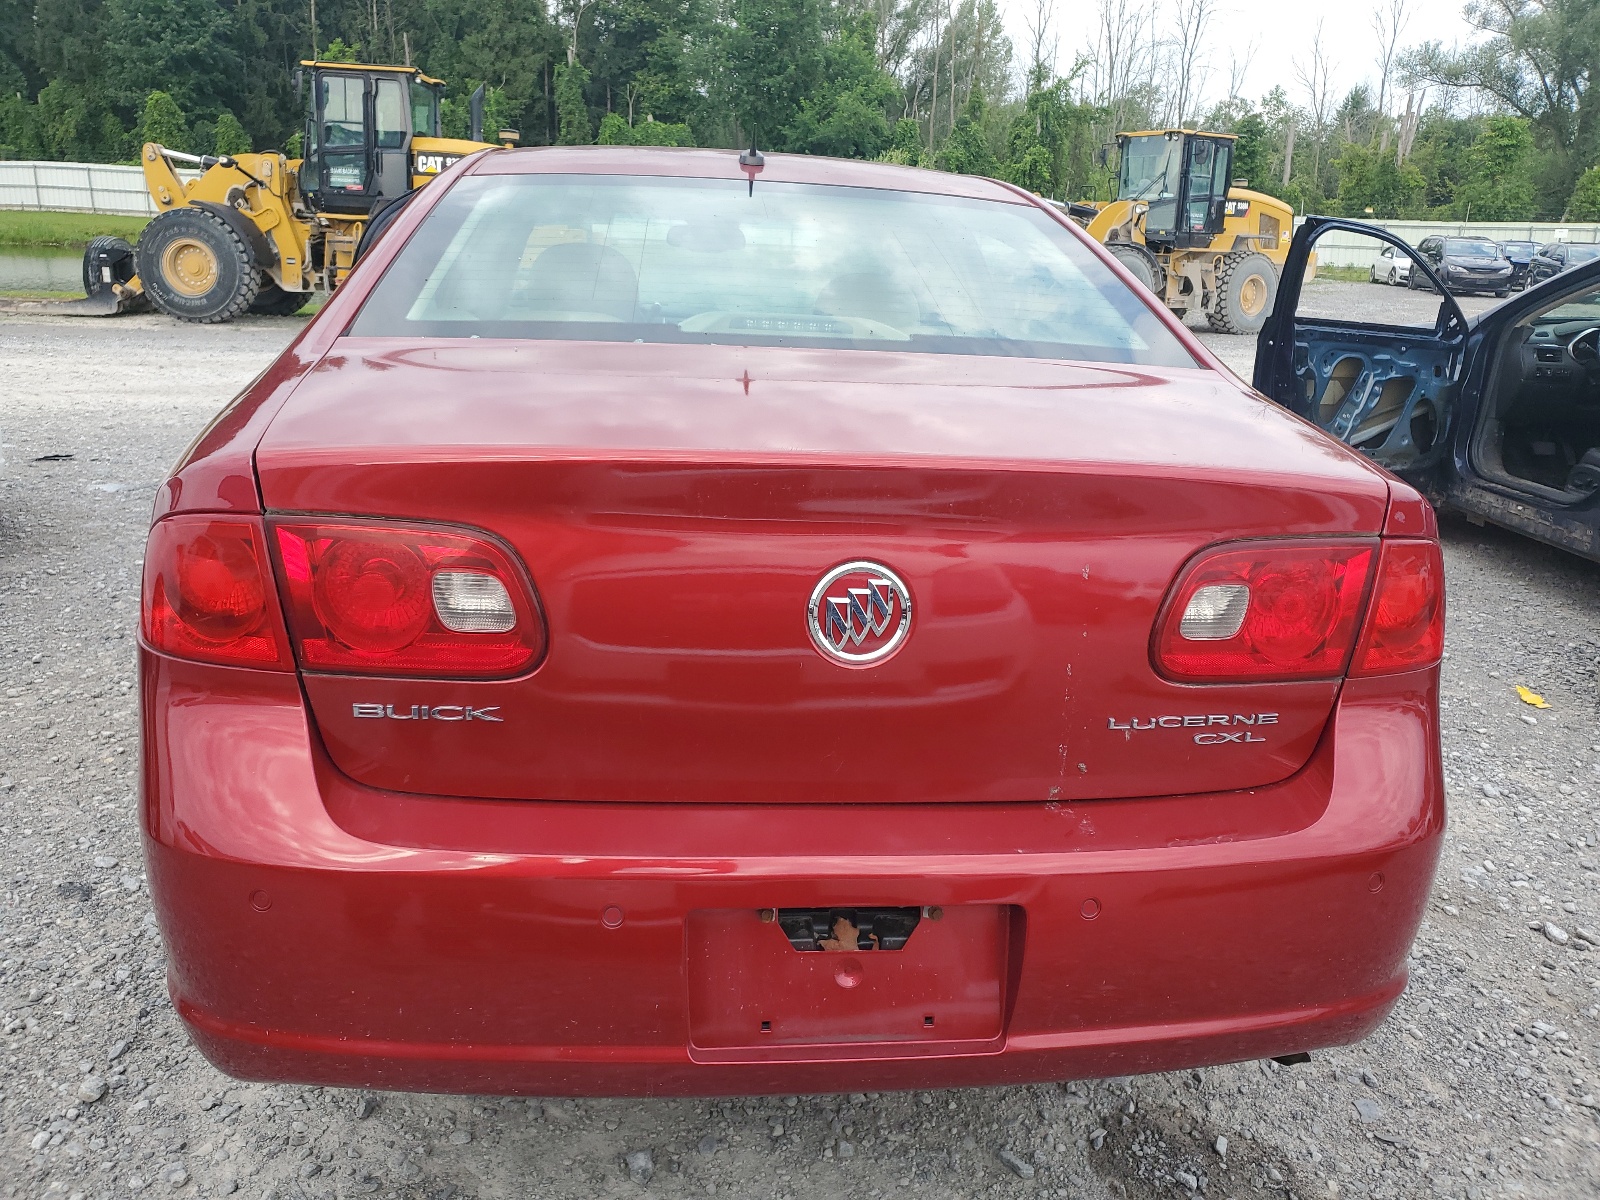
column 1584, row 346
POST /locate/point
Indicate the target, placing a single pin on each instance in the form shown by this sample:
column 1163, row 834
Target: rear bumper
column 321, row 932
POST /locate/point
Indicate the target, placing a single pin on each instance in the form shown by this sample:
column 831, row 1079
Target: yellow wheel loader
column 260, row 232
column 1189, row 232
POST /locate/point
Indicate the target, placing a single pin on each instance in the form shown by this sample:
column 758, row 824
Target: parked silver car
column 1392, row 267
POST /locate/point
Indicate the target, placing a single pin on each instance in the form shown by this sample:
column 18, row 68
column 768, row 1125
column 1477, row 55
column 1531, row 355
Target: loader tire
column 111, row 252
column 196, row 268
column 1141, row 263
column 1247, row 287
column 273, row 301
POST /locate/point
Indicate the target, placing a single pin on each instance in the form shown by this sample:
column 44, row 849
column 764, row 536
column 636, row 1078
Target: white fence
column 1341, row 249
column 77, row 187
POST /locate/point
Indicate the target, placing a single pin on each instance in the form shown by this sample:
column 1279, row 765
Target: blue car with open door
column 1495, row 415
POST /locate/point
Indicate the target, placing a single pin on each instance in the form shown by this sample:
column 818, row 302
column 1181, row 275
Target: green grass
column 1348, row 274
column 22, row 230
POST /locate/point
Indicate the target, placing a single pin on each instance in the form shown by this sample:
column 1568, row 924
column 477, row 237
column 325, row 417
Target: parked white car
column 1393, row 267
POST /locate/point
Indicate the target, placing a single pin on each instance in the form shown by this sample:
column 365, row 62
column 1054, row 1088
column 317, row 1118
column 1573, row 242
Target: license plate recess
column 753, row 994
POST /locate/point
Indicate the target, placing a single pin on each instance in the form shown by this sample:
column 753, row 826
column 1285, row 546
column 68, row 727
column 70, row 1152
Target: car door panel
column 1387, row 390
column 1379, row 394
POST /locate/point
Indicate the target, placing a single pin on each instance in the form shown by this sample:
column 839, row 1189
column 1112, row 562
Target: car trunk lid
column 677, row 506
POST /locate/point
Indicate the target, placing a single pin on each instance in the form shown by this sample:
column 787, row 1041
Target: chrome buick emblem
column 859, row 614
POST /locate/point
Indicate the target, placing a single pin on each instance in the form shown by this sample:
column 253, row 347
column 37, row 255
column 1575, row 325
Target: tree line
column 1506, row 129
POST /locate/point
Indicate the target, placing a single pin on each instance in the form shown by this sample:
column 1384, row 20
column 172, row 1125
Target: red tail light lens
column 374, row 597
column 1405, row 628
column 380, row 599
column 208, row 593
column 1265, row 611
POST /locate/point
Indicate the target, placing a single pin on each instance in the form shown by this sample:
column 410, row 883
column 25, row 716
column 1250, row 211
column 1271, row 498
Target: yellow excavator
column 1191, row 233
column 260, row 232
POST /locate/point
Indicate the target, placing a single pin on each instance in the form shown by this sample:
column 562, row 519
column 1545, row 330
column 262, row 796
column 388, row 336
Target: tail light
column 1279, row 611
column 1405, row 628
column 208, row 593
column 379, row 599
column 1265, row 611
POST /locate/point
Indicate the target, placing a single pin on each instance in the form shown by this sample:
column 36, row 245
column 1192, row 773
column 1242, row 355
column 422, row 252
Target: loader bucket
column 109, row 302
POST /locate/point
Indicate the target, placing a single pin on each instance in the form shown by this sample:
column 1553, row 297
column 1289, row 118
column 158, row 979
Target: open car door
column 1376, row 368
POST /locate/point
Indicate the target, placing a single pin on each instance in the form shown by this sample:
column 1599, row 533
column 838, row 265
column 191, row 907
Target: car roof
column 672, row 162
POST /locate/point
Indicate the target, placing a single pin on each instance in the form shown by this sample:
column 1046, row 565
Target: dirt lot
column 1482, row 1084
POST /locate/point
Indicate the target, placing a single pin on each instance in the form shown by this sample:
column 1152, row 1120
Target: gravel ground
column 1365, row 302
column 1482, row 1084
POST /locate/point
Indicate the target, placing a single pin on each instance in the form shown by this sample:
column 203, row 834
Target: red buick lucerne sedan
column 672, row 628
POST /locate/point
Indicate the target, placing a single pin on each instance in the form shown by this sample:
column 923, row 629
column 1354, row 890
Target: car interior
column 1541, row 429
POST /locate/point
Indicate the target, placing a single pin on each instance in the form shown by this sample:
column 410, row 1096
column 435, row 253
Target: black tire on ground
column 114, row 253
column 1140, row 262
column 273, row 301
column 196, row 268
column 1247, row 288
column 1503, row 293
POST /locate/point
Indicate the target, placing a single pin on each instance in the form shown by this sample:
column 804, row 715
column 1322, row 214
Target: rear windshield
column 621, row 258
column 1472, row 249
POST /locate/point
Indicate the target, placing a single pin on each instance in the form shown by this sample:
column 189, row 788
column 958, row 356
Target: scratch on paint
column 1064, row 751
column 1067, row 814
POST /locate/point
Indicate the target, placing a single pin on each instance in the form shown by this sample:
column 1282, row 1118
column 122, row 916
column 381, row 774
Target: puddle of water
column 41, row 270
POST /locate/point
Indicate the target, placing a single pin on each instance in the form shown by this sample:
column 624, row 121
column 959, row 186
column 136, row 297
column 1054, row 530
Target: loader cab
column 1182, row 177
column 360, row 124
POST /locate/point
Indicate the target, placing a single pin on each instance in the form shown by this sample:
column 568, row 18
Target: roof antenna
column 751, row 162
